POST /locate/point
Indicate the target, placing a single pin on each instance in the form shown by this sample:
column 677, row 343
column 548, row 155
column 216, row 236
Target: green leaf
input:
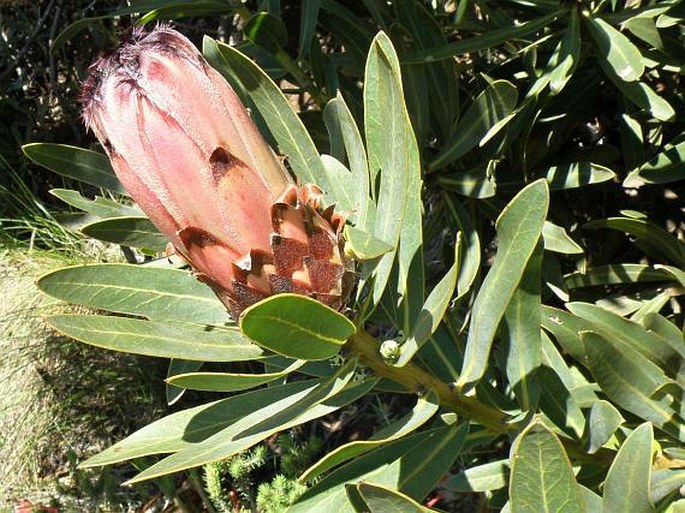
column 267, row 31
column 631, row 381
column 482, row 478
column 523, row 344
column 613, row 274
column 255, row 426
column 665, row 482
column 189, row 427
column 577, row 174
column 178, row 366
column 625, row 333
column 666, row 167
column 643, row 96
column 433, row 310
column 136, row 232
column 337, row 113
column 519, row 228
column 296, row 326
column 423, row 411
column 309, row 14
column 441, row 84
column 362, row 245
column 627, row 484
column 654, row 238
column 412, row 465
column 623, row 57
column 495, row 103
column 78, row 163
column 461, row 221
column 556, row 239
column 161, row 339
column 153, row 292
column 100, row 207
column 381, row 499
column 72, row 30
column 566, row 329
column 290, row 135
column 603, row 420
column 342, row 183
column 542, row 479
column 558, row 403
column 478, row 182
column 228, row 381
column 489, row 39
column 393, row 154
column 568, row 55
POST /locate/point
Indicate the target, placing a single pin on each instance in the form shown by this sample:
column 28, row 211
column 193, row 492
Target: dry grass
column 61, row 401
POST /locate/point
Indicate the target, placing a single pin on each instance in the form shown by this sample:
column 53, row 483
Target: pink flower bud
column 186, row 150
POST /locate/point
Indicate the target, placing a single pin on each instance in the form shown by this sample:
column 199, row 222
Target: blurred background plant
column 588, row 95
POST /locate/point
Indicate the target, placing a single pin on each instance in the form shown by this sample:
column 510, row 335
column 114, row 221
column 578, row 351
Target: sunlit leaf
column 296, row 326
column 541, row 475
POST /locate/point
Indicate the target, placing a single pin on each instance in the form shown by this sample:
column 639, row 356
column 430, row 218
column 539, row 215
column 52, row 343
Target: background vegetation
column 587, row 96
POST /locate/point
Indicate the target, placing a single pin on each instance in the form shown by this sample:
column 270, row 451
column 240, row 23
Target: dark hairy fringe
column 124, row 62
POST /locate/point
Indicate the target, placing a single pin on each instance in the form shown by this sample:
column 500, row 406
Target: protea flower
column 187, row 151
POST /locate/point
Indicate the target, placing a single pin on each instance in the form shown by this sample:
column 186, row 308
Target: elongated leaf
column 470, row 264
column 228, row 381
column 577, row 174
column 568, row 55
column 627, row 484
column 556, row 239
column 100, row 207
column 296, row 326
column 308, row 18
column 136, row 232
column 412, row 465
column 489, row 39
column 522, row 335
column 654, row 238
column 625, row 333
column 338, row 113
column 424, row 409
column 393, row 153
column 666, row 331
column 519, row 228
column 177, row 366
column 665, row 482
column 602, row 422
column 614, row 274
column 441, row 84
column 478, row 182
column 188, row 427
column 381, row 499
column 667, row 166
column 542, row 479
column 153, row 292
column 623, row 57
column 364, row 246
column 482, row 478
column 288, row 131
column 433, row 310
column 558, row 402
column 342, row 184
column 78, row 163
column 255, row 426
column 630, row 381
column 566, row 329
column 641, row 95
column 492, row 105
column 190, row 342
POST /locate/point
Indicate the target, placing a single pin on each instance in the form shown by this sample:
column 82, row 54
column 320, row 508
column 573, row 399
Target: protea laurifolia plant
column 186, row 150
